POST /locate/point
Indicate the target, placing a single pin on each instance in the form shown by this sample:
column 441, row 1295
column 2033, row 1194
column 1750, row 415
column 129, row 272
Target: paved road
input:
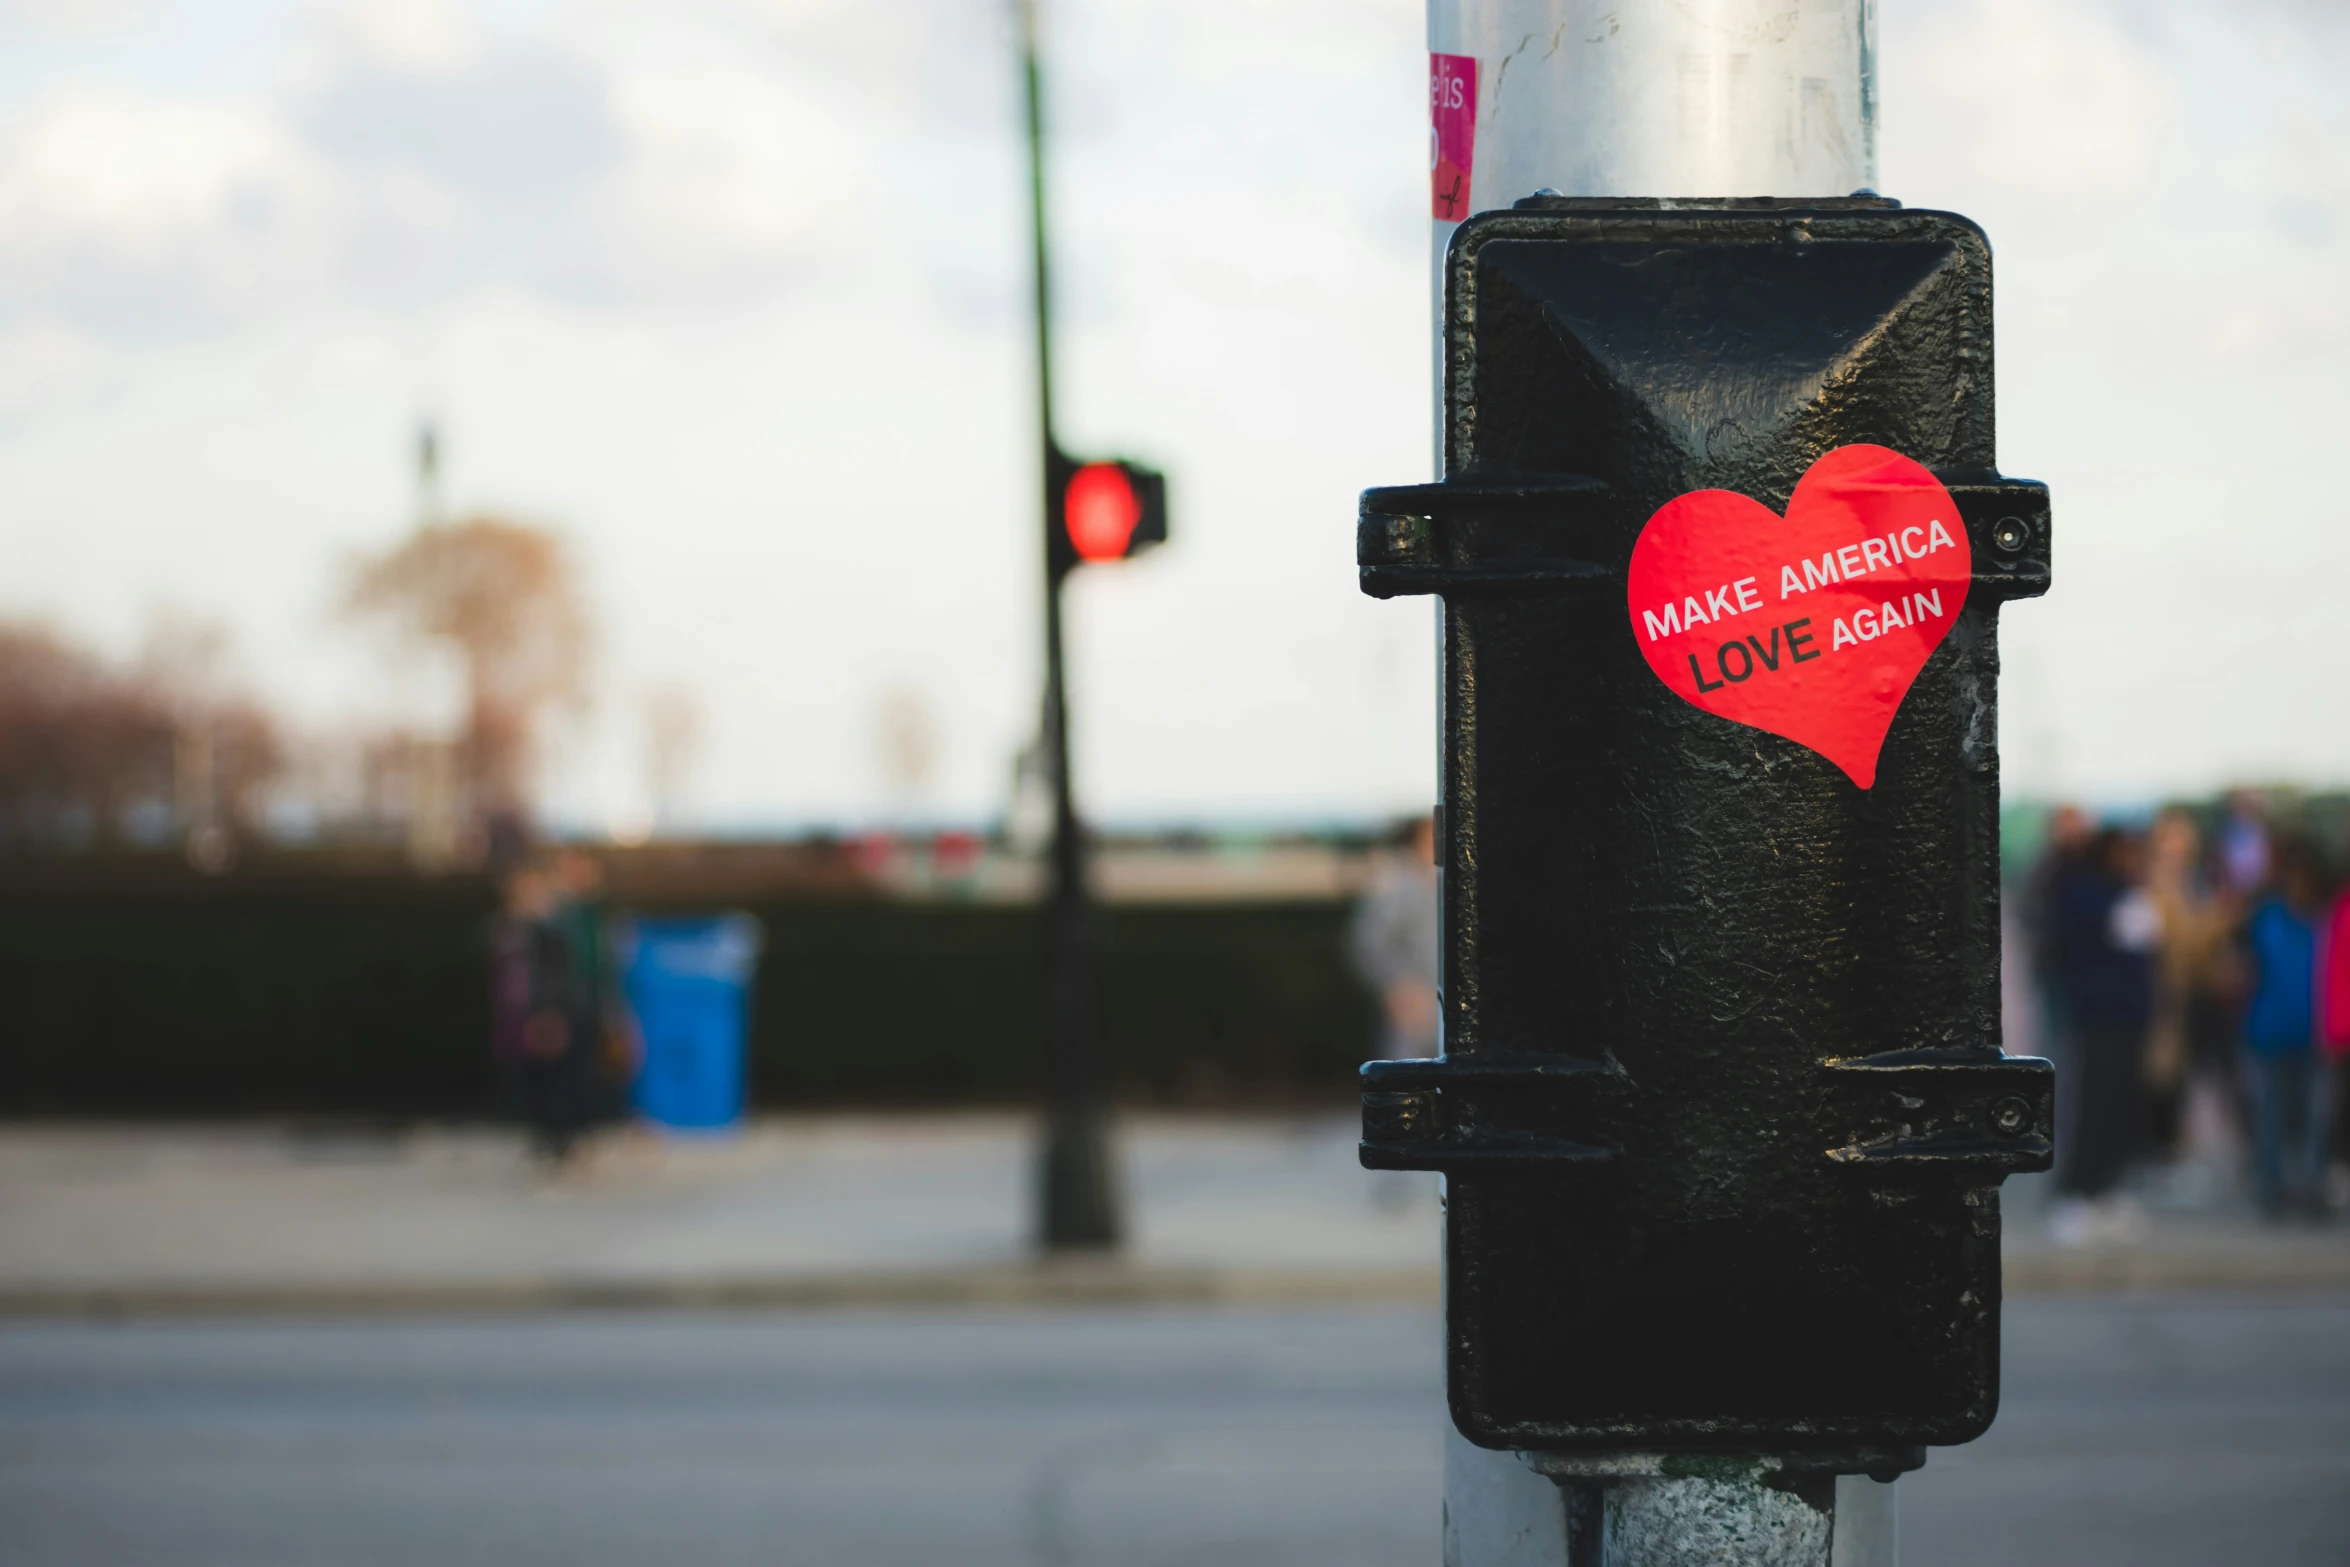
column 2146, row 1432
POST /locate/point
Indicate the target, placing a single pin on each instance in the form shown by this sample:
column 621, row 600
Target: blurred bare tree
column 906, row 738
column 77, row 747
column 90, row 754
column 226, row 751
column 673, row 735
column 505, row 597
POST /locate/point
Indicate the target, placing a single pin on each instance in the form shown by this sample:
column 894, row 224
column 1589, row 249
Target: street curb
column 2130, row 1270
column 2032, row 1274
column 1042, row 1285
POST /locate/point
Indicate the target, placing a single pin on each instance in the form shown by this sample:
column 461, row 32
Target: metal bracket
column 1469, row 1112
column 1528, row 533
column 2008, row 534
column 1538, row 533
column 1924, row 1109
column 1906, row 1109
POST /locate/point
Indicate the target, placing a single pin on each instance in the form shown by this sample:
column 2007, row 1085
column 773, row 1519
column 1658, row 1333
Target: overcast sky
column 733, row 292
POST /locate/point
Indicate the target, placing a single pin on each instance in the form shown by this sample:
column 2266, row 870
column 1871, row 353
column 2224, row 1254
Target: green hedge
column 338, row 994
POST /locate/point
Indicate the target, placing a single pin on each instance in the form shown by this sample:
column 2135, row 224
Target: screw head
column 2009, row 535
column 2010, row 1116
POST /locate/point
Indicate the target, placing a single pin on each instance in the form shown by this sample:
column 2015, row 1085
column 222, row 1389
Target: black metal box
column 1722, row 1107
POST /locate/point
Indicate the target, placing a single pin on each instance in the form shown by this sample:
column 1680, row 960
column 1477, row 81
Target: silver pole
column 1693, row 98
column 1690, row 98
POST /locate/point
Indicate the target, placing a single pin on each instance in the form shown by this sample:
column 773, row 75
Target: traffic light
column 1107, row 510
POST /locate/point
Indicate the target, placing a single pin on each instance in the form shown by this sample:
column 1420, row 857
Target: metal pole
column 1697, row 99
column 1076, row 1188
column 1700, row 98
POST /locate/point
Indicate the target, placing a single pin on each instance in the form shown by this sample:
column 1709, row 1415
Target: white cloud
column 2044, row 99
column 122, row 207
column 46, row 364
column 417, row 35
column 65, row 18
column 415, row 160
column 731, row 172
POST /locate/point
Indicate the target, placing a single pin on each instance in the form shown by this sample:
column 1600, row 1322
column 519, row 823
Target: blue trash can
column 689, row 983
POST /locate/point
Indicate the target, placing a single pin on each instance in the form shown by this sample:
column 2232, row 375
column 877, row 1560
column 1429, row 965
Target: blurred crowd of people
column 561, row 1032
column 2193, row 980
column 1394, row 941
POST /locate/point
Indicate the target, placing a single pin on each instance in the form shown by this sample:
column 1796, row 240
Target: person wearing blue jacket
column 2280, row 1038
column 2102, row 929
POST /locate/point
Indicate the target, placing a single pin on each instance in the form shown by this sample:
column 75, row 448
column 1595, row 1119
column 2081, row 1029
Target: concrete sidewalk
column 806, row 1211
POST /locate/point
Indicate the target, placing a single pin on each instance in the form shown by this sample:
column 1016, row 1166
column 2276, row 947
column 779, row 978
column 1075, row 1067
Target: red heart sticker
column 1811, row 626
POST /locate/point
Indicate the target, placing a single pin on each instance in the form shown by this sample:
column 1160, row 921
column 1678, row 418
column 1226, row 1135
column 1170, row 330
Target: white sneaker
column 2121, row 1221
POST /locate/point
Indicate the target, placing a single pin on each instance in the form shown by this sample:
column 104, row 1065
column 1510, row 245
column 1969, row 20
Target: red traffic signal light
column 1101, row 508
column 1104, row 510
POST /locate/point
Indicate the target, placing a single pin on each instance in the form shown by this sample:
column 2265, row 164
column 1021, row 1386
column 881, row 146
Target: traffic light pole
column 1751, row 98
column 1077, row 1188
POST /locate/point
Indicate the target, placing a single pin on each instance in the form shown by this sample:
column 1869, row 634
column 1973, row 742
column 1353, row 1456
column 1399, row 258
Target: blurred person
column 1394, row 940
column 2244, row 845
column 2280, row 1037
column 2190, row 1040
column 601, row 1056
column 2069, row 830
column 2103, row 929
column 528, row 1032
column 2333, row 1031
column 506, row 841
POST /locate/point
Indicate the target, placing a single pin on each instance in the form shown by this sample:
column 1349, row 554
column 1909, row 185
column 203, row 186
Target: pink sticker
column 1812, row 625
column 1452, row 133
